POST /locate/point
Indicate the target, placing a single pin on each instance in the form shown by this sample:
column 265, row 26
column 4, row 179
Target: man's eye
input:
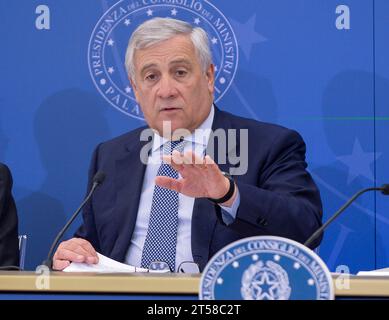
column 181, row 73
column 151, row 77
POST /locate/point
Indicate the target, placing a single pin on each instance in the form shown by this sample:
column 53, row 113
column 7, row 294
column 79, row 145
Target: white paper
column 105, row 265
column 380, row 272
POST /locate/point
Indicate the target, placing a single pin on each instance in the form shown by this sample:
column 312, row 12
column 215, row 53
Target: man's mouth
column 169, row 109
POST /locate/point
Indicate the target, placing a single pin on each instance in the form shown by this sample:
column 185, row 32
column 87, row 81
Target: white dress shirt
column 197, row 142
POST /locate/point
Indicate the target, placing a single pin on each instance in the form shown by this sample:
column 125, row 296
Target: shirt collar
column 199, row 136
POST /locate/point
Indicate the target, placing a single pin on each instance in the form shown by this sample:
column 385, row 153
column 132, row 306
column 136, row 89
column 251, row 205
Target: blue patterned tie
column 161, row 238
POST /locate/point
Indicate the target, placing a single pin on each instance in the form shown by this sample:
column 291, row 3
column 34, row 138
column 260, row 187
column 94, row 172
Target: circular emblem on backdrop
column 109, row 40
column 266, row 268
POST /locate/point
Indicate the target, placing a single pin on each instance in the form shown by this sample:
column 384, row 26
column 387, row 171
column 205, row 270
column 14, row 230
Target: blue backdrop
column 317, row 66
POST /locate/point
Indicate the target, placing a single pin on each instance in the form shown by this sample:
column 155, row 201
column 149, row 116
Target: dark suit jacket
column 9, row 245
column 277, row 195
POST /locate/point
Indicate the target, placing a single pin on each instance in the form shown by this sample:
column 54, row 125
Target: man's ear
column 210, row 74
column 133, row 85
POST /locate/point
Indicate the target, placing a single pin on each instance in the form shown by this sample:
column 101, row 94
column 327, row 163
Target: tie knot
column 169, row 146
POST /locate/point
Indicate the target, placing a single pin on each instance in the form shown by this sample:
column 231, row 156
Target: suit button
column 262, row 222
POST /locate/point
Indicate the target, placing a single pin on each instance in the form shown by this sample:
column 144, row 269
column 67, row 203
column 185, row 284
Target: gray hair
column 160, row 29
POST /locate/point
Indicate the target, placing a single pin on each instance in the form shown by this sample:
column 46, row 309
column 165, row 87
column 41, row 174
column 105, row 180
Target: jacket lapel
column 204, row 216
column 129, row 174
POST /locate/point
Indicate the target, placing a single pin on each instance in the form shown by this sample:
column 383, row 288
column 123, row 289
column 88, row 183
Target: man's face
column 170, row 85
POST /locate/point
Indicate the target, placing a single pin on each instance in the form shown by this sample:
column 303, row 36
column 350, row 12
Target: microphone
column 384, row 189
column 97, row 180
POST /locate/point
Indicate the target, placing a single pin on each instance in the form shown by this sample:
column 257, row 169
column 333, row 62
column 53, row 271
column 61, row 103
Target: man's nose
column 166, row 88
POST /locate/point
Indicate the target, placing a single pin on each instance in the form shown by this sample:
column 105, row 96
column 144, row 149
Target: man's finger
column 86, row 245
column 79, row 249
column 60, row 264
column 188, row 158
column 208, row 160
column 199, row 162
column 79, row 245
column 177, row 157
column 175, row 166
column 168, row 183
column 65, row 254
column 210, row 164
column 213, row 169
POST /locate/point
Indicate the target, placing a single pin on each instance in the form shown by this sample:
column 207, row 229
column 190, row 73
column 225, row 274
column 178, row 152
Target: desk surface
column 151, row 283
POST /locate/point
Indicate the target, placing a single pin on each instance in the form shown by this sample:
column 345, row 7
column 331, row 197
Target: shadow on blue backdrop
column 348, row 121
column 67, row 127
column 248, row 87
column 3, row 139
column 382, row 173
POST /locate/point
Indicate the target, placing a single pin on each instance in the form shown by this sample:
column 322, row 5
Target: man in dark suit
column 9, row 250
column 187, row 207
